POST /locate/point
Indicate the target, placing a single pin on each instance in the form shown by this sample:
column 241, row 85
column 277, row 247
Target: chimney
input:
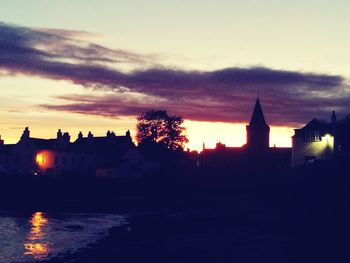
column 59, row 134
column 66, row 137
column 334, row 117
column 80, row 135
column 334, row 123
column 334, row 131
column 26, row 133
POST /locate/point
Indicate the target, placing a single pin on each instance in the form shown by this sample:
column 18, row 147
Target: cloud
column 228, row 94
column 39, row 52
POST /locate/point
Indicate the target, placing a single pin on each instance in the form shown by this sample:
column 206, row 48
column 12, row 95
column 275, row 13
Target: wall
column 322, row 150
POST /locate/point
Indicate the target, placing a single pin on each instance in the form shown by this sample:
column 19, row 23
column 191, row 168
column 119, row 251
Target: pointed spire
column 258, row 115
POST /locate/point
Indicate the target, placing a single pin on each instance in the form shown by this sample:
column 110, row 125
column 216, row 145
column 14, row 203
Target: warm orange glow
column 44, row 159
column 212, row 132
column 38, row 251
column 230, row 134
column 281, row 136
column 38, row 221
column 40, row 159
column 34, row 245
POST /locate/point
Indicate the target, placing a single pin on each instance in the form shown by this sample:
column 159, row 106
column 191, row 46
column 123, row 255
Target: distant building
column 258, row 132
column 319, row 140
column 254, row 154
column 5, row 152
column 60, row 157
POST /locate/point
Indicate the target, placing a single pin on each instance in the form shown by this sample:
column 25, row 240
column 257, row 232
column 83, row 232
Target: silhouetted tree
column 158, row 127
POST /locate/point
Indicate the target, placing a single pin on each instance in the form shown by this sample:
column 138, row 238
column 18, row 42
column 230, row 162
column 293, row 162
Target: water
column 40, row 236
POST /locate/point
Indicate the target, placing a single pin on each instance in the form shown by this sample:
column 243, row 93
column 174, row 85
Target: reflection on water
column 35, row 244
column 38, row 222
column 43, row 236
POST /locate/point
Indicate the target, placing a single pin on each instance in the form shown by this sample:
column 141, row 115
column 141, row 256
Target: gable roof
column 313, row 125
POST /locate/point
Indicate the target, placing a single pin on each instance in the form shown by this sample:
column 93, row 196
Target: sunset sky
column 83, row 65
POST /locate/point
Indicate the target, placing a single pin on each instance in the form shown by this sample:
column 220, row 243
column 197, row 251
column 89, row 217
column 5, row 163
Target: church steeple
column 258, row 118
column 258, row 132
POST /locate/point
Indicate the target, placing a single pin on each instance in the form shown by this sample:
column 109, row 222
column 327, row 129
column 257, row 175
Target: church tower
column 258, row 132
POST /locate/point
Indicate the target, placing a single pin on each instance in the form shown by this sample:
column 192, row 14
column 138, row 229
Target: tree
column 158, row 127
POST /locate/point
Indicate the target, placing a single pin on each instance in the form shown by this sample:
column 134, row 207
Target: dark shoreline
column 160, row 238
column 220, row 236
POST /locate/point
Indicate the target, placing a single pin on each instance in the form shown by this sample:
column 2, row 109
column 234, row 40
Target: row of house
column 106, row 156
column 117, row 156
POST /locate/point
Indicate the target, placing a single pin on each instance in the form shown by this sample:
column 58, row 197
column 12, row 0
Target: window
column 312, row 136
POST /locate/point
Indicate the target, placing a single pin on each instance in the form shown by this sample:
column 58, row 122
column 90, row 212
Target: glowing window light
column 40, row 158
column 44, row 160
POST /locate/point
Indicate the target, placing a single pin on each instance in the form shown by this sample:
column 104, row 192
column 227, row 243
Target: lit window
column 312, row 136
column 40, row 158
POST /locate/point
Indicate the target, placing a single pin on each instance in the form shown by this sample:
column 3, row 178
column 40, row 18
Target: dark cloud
column 228, row 94
column 34, row 49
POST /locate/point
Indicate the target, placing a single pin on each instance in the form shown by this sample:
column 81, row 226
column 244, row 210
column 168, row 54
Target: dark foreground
column 204, row 238
column 300, row 215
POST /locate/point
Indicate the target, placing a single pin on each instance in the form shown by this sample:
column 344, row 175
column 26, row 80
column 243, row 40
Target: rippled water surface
column 39, row 236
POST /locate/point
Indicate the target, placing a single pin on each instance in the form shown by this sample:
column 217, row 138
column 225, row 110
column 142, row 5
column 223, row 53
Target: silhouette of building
column 258, row 132
column 5, row 151
column 256, row 153
column 61, row 157
column 319, row 140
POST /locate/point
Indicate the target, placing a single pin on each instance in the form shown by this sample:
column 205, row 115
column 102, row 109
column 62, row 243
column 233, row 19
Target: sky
column 97, row 65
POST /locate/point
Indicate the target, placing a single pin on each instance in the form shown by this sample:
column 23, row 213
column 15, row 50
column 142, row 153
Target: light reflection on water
column 41, row 236
column 35, row 244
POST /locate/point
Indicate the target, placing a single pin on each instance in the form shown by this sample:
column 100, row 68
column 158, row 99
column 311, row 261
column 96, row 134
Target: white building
column 315, row 141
